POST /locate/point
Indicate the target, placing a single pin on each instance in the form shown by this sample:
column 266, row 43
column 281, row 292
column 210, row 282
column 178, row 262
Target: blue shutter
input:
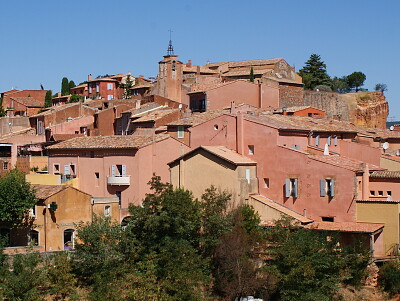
column 287, row 188
column 123, row 170
column 335, row 140
column 329, row 140
column 113, row 170
column 322, row 187
column 332, row 188
column 317, row 140
column 295, row 192
column 66, row 170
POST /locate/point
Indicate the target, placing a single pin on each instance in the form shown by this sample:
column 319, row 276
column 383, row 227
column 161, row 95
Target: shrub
column 389, row 277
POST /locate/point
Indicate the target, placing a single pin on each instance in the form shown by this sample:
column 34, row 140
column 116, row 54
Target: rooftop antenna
column 170, row 50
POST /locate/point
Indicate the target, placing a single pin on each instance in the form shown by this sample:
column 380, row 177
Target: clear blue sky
column 43, row 41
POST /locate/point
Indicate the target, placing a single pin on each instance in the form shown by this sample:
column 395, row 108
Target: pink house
column 115, row 166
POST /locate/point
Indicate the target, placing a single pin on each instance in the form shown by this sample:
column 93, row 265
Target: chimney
column 137, row 104
column 233, row 107
column 284, row 111
column 365, row 181
column 59, row 94
column 89, row 78
column 189, row 63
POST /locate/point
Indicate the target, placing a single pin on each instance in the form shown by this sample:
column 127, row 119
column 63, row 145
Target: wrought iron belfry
column 170, row 50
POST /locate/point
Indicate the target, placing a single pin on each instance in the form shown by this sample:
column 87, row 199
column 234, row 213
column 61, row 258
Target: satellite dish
column 391, row 128
column 180, row 106
column 385, row 146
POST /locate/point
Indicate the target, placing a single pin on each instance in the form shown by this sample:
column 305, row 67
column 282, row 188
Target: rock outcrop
column 369, row 109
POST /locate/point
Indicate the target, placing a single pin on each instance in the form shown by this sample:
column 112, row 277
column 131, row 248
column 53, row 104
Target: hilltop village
column 323, row 159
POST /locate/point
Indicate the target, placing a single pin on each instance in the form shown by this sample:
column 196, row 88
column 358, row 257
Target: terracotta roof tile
column 246, row 63
column 45, row 191
column 344, row 162
column 353, row 227
column 63, row 137
column 281, row 208
column 155, row 115
column 109, row 142
column 197, row 118
column 385, row 174
column 29, row 101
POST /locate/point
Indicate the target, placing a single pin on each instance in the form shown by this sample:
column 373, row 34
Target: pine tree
column 314, row 73
column 71, row 84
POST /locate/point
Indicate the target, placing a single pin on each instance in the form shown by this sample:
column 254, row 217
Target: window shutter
column 322, row 187
column 295, row 192
column 332, row 188
column 113, row 170
column 248, row 175
column 66, row 170
column 287, row 188
column 317, row 140
column 335, row 140
column 123, row 170
column 329, row 140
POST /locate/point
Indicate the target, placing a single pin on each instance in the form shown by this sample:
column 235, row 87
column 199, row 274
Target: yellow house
column 386, row 212
column 204, row 166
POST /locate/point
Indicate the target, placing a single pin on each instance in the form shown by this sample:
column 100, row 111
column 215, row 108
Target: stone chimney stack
column 189, row 63
column 89, row 78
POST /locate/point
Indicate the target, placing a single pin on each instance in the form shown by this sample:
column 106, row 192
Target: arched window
column 34, row 238
column 69, row 239
column 107, row 210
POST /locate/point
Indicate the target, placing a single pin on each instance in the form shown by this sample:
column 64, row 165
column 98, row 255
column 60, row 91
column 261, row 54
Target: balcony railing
column 119, row 180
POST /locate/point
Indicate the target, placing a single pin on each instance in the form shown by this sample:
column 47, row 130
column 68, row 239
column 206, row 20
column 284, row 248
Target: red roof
column 353, row 227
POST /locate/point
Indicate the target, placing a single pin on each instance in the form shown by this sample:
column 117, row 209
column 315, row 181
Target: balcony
column 119, row 180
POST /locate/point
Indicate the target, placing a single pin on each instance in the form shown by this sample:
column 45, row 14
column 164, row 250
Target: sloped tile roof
column 197, row 118
column 245, row 63
column 155, row 115
column 29, row 101
column 109, row 142
column 281, row 208
column 354, row 227
column 344, row 162
column 44, row 191
column 385, row 174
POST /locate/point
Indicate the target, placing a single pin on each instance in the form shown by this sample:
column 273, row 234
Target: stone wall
column 331, row 102
column 290, row 95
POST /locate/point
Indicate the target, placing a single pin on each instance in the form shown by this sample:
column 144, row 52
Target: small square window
column 266, row 182
column 251, row 149
column 380, row 193
column 97, row 175
column 328, row 219
column 372, row 192
column 92, row 154
column 181, row 132
column 389, row 193
column 5, row 165
column 56, row 168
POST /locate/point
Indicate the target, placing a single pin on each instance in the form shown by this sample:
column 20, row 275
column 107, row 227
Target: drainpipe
column 239, row 133
column 260, row 95
column 365, row 183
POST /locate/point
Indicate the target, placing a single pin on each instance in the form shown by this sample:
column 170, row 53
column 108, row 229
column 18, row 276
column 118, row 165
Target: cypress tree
column 64, row 86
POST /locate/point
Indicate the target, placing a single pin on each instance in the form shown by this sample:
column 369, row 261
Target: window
column 372, row 192
column 136, row 92
column 5, row 165
column 329, row 140
column 118, row 194
column 69, row 239
column 335, row 140
column 109, row 87
column 251, row 149
column 181, row 132
column 107, row 210
column 72, row 169
column 67, row 170
column 389, row 193
column 328, row 219
column 118, row 170
column 248, row 175
column 32, row 211
column 33, row 238
column 91, row 154
column 90, row 88
column 380, row 193
column 109, row 97
column 309, row 114
column 216, row 127
column 97, row 175
column 40, row 128
column 56, row 168
column 317, row 140
column 327, row 187
column 291, row 187
column 266, row 182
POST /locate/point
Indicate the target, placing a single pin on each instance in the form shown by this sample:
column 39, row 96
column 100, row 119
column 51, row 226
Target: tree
column 381, row 87
column 64, row 86
column 48, row 99
column 16, row 197
column 356, row 80
column 127, row 87
column 314, row 72
column 340, row 84
column 75, row 98
column 71, row 85
column 251, row 76
column 2, row 112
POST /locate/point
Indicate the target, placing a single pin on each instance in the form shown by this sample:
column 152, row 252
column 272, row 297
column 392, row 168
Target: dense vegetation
column 175, row 247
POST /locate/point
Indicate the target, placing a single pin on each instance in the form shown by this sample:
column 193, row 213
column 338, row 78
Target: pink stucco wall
column 69, row 127
column 360, row 152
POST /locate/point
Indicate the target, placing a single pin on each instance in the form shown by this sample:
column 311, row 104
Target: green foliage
column 314, row 72
column 65, row 86
column 323, row 88
column 127, row 87
column 16, row 197
column 75, row 98
column 356, row 80
column 24, row 279
column 340, row 84
column 381, row 87
column 389, row 277
column 2, row 112
column 61, row 281
column 71, row 85
column 251, row 76
column 48, row 99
